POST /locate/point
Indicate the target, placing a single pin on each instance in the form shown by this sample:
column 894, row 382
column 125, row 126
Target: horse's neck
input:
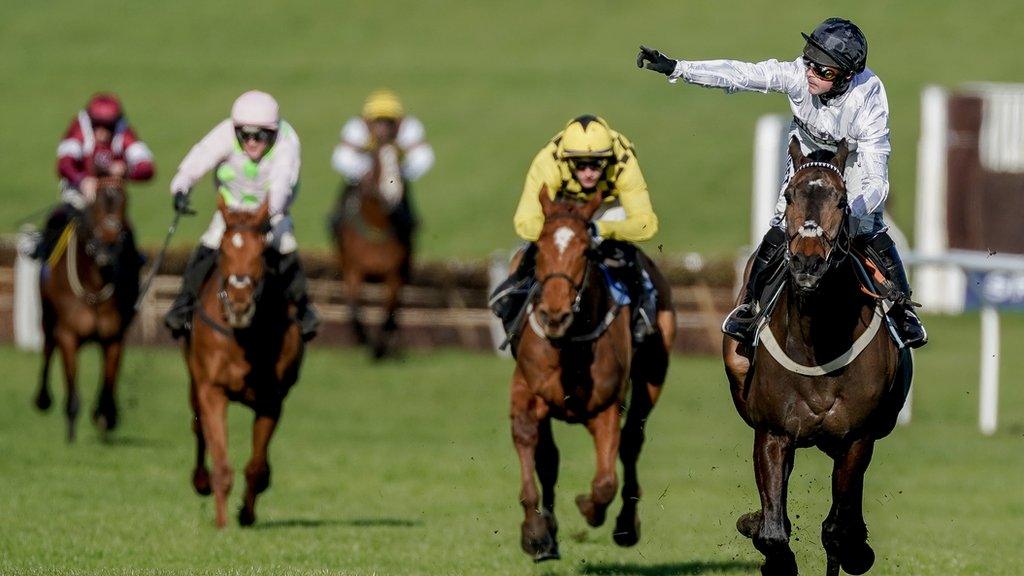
column 825, row 322
column 595, row 303
column 85, row 267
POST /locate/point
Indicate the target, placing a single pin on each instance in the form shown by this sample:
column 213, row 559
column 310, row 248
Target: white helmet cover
column 255, row 108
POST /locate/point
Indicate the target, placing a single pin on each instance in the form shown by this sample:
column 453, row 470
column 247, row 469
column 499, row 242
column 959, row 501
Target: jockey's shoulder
column 410, row 132
column 355, row 132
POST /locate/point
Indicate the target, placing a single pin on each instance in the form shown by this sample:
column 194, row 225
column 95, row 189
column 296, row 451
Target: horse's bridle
column 577, row 287
column 93, row 245
column 222, row 292
column 838, row 242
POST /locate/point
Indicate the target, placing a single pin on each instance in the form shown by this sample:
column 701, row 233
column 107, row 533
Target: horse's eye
column 788, row 196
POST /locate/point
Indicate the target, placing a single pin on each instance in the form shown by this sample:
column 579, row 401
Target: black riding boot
column 293, row 281
column 54, row 227
column 626, row 264
column 179, row 317
column 882, row 251
column 127, row 273
column 739, row 324
column 509, row 298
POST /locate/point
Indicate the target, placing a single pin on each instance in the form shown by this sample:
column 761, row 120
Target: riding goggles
column 826, row 73
column 593, row 163
column 246, row 133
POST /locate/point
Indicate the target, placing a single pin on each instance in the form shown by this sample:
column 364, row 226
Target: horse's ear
column 795, row 152
column 263, row 212
column 222, row 206
column 547, row 205
column 839, row 160
column 588, row 209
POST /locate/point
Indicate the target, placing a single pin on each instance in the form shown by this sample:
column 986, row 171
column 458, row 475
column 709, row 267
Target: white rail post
column 28, row 331
column 989, row 390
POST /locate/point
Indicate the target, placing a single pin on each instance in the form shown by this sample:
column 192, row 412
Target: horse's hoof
column 380, row 351
column 626, row 535
column 246, row 516
column 538, row 540
column 201, row 481
column 783, row 564
column 43, row 401
column 593, row 515
column 105, row 422
column 547, row 555
column 857, row 561
column 749, row 523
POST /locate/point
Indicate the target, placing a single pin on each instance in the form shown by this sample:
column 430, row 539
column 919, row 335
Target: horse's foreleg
column 644, row 395
column 105, row 414
column 843, row 533
column 537, row 539
column 353, row 290
column 769, row 528
column 213, row 406
column 200, row 474
column 546, row 459
column 68, row 344
column 257, row 471
column 605, row 429
column 43, row 399
column 392, row 289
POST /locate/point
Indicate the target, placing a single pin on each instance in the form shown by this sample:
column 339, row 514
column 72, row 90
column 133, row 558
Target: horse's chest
column 576, row 397
column 90, row 323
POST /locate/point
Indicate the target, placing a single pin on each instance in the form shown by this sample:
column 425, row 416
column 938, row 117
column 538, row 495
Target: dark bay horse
column 576, row 363
column 370, row 247
column 824, row 373
column 246, row 347
column 86, row 298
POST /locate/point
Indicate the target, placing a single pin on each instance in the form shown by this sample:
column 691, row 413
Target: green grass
column 492, row 81
column 408, row 468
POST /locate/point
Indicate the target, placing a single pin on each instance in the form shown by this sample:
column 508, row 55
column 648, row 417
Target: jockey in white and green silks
column 254, row 156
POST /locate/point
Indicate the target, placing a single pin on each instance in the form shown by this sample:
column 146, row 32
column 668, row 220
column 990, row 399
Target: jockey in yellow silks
column 587, row 158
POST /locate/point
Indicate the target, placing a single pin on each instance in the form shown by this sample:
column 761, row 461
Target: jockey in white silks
column 383, row 121
column 833, row 96
column 254, row 156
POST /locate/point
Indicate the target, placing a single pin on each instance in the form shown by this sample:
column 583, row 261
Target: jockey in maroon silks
column 98, row 142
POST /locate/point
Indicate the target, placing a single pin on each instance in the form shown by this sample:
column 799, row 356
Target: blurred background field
column 368, row 478
column 492, row 81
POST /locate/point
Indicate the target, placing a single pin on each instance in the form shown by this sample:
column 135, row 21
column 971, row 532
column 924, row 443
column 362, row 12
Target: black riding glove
column 181, row 205
column 654, row 60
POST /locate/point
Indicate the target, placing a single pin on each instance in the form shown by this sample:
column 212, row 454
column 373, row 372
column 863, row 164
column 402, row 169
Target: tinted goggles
column 246, row 133
column 824, row 72
column 591, row 163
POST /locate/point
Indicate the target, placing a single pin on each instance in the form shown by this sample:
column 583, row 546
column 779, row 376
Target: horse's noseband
column 578, row 288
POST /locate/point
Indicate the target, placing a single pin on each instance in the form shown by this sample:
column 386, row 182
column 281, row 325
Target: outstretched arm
column 729, row 75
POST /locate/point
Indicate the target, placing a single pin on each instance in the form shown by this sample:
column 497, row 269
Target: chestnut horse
column 823, row 373
column 576, row 363
column 369, row 246
column 246, row 347
column 85, row 298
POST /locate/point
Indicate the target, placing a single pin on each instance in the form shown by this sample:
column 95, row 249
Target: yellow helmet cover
column 384, row 104
column 586, row 136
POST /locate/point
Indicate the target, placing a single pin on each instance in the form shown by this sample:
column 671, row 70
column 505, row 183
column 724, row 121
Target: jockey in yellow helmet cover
column 587, row 158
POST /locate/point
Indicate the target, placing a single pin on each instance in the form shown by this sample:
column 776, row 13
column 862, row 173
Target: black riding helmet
column 837, row 43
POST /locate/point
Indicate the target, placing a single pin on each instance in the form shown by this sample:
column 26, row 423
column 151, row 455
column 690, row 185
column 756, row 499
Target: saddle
column 871, row 281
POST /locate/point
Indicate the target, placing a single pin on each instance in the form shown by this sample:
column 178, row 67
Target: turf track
column 408, row 468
